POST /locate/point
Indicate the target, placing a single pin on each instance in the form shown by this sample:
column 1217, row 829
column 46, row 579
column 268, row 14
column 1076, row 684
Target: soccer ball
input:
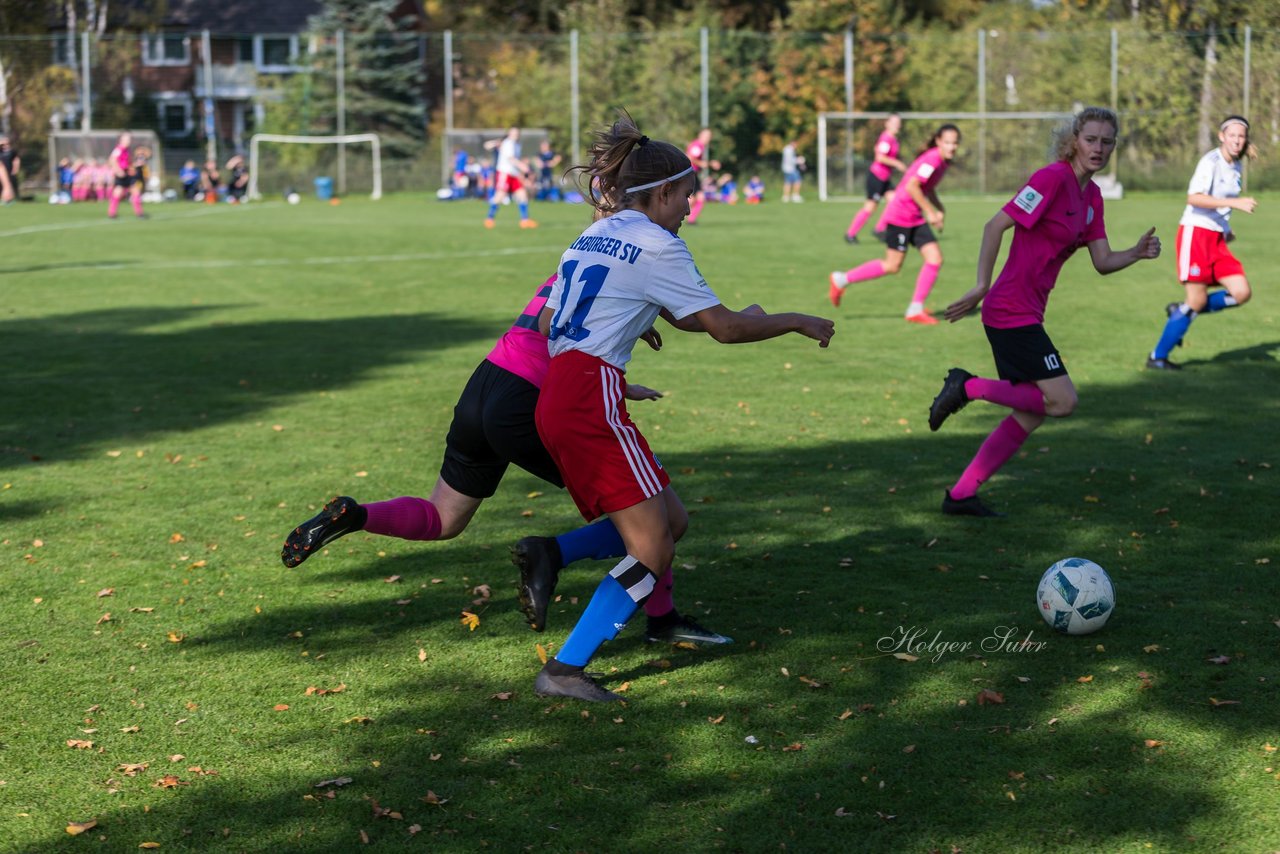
column 293, row 198
column 1075, row 596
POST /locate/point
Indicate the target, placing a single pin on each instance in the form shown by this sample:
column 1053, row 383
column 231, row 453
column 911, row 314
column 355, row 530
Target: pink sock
column 660, row 601
column 924, row 282
column 1024, row 396
column 406, row 518
column 136, row 201
column 113, row 206
column 859, row 220
column 695, row 206
column 873, row 269
column 996, row 450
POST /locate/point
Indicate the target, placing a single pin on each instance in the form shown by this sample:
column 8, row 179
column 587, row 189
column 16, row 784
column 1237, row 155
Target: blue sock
column 615, row 600
column 493, row 209
column 524, row 210
column 1218, row 300
column 1174, row 330
column 599, row 540
column 606, row 614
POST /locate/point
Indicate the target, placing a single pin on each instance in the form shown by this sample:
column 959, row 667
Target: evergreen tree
column 384, row 78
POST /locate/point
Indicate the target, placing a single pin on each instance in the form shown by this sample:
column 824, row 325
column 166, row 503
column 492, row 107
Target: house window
column 175, row 112
column 275, row 53
column 244, row 50
column 166, row 49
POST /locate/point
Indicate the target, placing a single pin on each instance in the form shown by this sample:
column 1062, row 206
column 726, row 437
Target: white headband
column 652, row 184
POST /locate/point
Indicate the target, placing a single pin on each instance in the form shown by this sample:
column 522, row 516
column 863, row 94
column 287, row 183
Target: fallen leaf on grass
column 812, row 683
column 415, row 828
column 906, row 656
column 793, row 747
column 79, row 744
column 320, row 692
column 1151, row 742
column 988, row 697
column 503, row 695
column 105, row 618
column 132, row 769
column 1268, row 748
column 148, row 844
column 176, row 637
column 1214, row 701
column 176, row 757
column 134, row 728
column 106, row 591
column 422, row 654
column 170, row 781
column 717, row 720
column 542, row 652
column 391, row 579
column 358, row 719
column 141, row 610
column 845, row 715
column 1155, row 647
column 280, row 707
column 1219, row 659
column 75, row 828
column 336, row 781
column 470, row 620
column 910, row 748
column 841, row 812
column 432, row 798
column 1084, row 679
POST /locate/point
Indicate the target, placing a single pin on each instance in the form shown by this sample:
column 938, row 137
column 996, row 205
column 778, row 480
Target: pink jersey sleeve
column 1029, row 205
column 522, row 349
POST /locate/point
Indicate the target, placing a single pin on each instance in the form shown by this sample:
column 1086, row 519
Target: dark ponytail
column 623, row 157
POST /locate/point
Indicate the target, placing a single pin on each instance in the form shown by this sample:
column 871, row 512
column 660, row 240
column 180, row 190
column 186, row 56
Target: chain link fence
column 206, row 94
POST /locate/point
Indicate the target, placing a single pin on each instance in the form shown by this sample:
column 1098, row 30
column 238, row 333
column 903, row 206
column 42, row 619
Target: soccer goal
column 94, row 146
column 997, row 150
column 282, row 167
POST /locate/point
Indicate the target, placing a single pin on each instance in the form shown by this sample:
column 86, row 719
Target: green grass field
column 179, row 393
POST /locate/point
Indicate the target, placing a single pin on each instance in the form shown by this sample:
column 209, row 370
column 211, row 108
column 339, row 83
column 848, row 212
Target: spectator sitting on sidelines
column 727, row 189
column 754, row 190
column 210, row 182
column 237, row 179
column 190, row 177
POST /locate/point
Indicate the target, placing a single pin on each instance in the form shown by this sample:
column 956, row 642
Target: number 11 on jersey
column 589, row 284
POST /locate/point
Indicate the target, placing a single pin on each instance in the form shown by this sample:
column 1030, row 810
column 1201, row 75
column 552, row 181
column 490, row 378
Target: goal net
column 472, row 140
column 94, row 146
column 281, row 162
column 998, row 151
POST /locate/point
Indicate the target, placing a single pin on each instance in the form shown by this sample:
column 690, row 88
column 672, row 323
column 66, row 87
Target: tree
column 382, row 70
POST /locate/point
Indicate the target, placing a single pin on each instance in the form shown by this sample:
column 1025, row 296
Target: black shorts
column 1024, row 354
column 125, row 181
column 492, row 428
column 877, row 187
column 898, row 237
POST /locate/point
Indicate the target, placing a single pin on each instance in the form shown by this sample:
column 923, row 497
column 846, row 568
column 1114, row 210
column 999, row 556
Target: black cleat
column 339, row 517
column 539, row 561
column 676, row 628
column 970, row 506
column 951, row 399
column 560, row 680
column 1162, row 365
column 851, row 239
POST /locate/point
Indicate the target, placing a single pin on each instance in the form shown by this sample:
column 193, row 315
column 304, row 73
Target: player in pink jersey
column 698, row 153
column 126, row 178
column 1056, row 213
column 493, row 427
column 910, row 216
column 614, row 280
column 884, row 161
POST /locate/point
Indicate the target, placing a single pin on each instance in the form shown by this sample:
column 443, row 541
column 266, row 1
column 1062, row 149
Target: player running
column 1204, row 231
column 910, row 218
column 512, row 172
column 614, row 281
column 697, row 152
column 1056, row 213
column 127, row 180
column 884, row 161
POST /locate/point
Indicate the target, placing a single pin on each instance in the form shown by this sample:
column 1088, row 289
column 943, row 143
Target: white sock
column 840, row 279
column 915, row 308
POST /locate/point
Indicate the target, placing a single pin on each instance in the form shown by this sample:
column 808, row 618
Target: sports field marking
column 207, row 210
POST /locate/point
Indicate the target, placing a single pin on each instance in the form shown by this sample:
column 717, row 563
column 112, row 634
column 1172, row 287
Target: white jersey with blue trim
column 613, row 281
column 508, row 154
column 1214, row 176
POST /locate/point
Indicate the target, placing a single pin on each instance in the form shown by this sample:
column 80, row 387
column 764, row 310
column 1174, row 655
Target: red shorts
column 1203, row 256
column 509, row 183
column 583, row 421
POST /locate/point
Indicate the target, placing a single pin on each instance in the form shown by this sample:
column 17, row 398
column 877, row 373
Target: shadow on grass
column 79, row 379
column 731, row 749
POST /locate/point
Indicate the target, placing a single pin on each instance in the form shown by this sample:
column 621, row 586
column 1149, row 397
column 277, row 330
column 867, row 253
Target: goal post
column 998, row 150
column 472, row 140
column 256, row 162
column 90, row 146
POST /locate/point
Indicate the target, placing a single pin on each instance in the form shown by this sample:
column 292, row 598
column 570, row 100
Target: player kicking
column 1204, row 259
column 1056, row 213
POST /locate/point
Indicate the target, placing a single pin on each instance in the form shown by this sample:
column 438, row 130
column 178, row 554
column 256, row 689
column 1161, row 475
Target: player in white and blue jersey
column 1204, row 259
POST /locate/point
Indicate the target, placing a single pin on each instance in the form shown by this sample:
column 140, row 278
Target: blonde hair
column 1064, row 136
column 622, row 157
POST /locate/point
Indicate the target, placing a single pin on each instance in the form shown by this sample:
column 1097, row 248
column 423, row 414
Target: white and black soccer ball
column 293, row 198
column 1075, row 596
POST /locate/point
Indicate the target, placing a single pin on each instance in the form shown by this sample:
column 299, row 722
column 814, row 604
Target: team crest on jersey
column 696, row 275
column 1028, row 199
column 1195, row 269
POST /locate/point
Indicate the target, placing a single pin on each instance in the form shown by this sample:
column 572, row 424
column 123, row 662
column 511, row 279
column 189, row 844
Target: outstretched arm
column 1107, row 260
column 741, row 327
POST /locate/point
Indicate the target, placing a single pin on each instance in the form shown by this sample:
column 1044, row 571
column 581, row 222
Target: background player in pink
column 698, row 153
column 1204, row 259
column 126, row 180
column 614, row 281
column 910, row 218
column 884, row 161
column 493, row 427
column 513, row 173
column 1056, row 213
